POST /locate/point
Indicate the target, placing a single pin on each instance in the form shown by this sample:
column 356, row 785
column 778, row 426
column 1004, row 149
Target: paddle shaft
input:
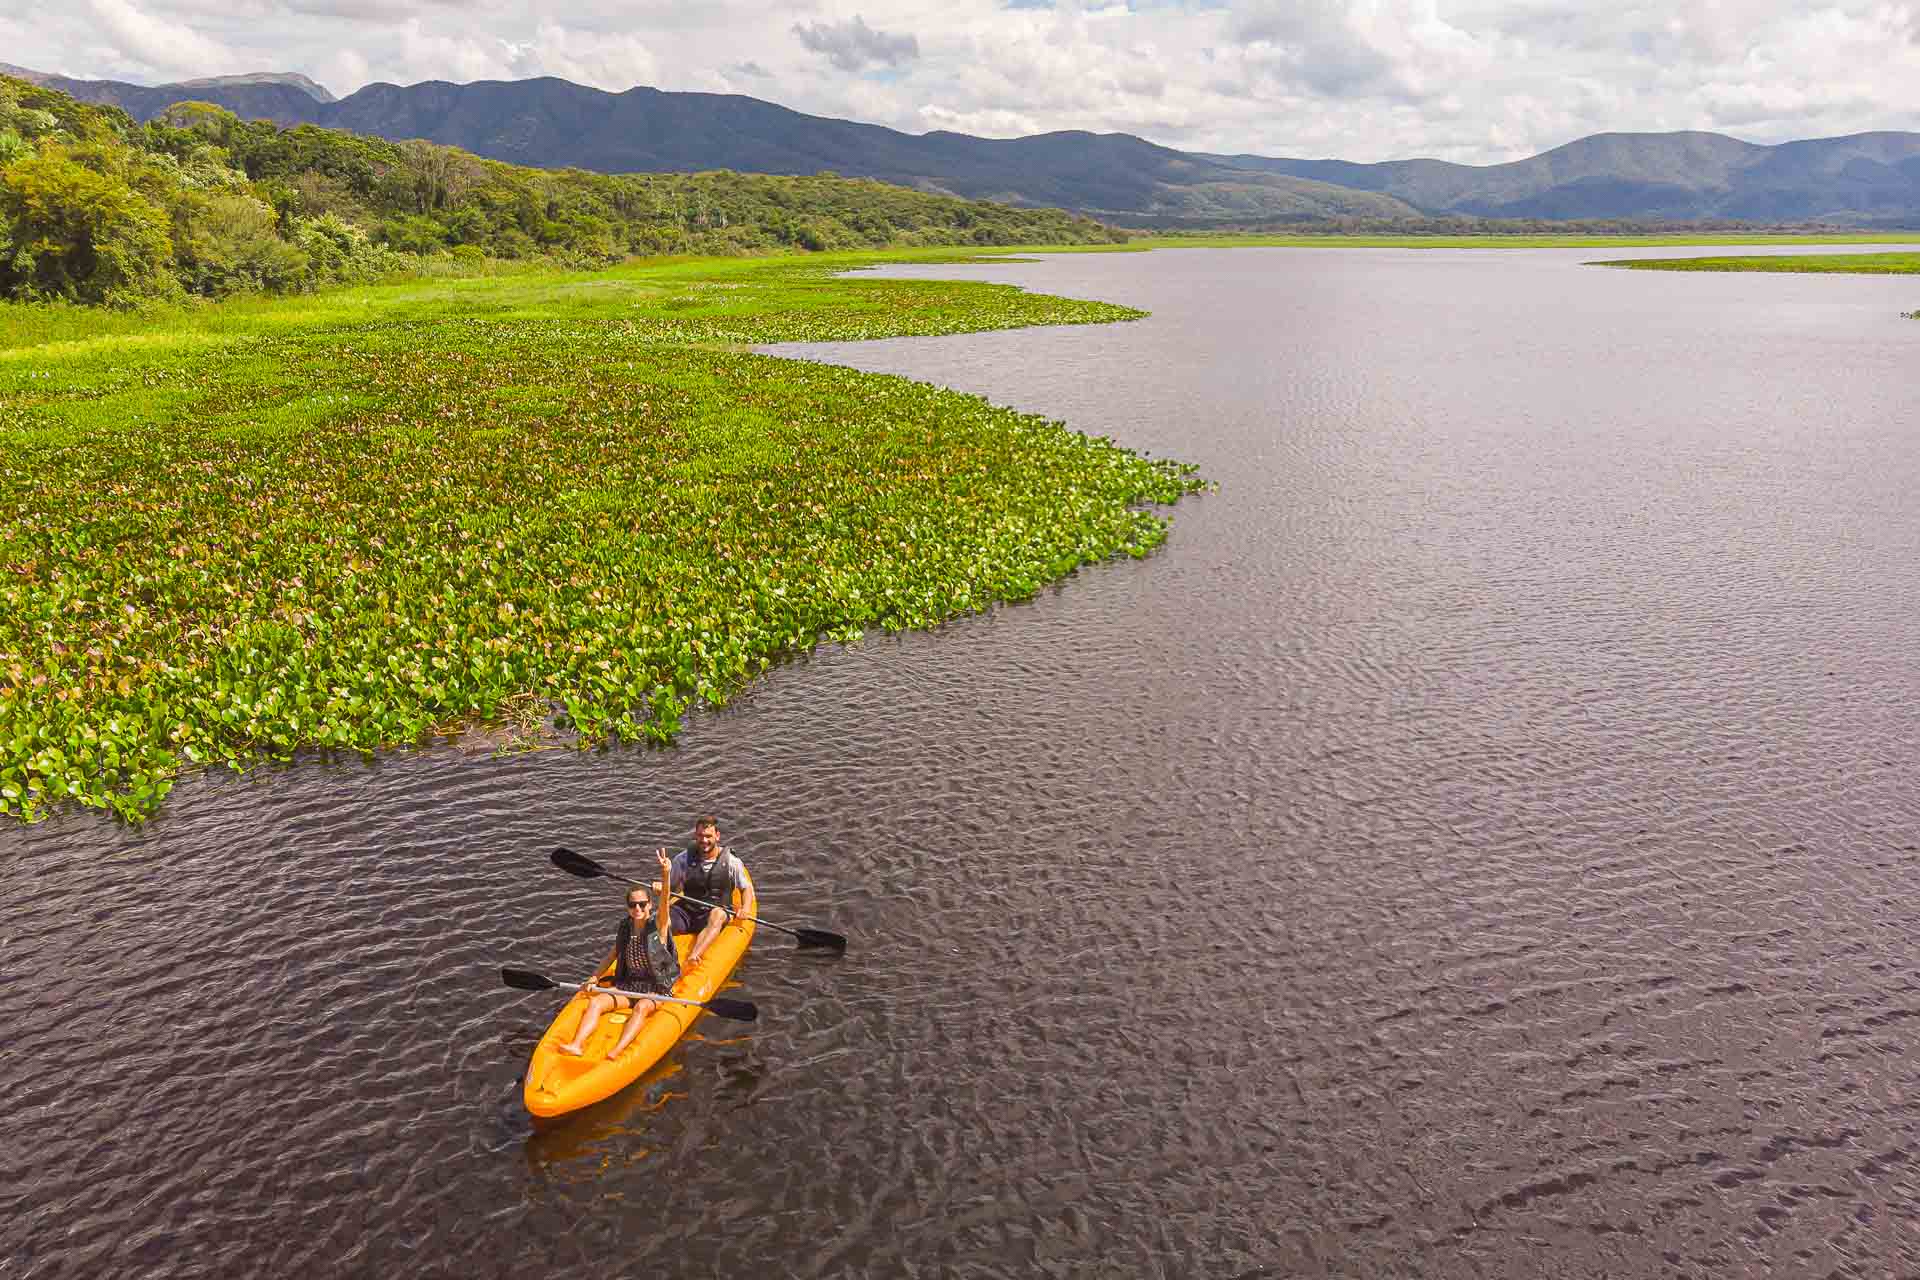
column 572, row 863
column 698, row 902
column 702, row 902
column 631, row 995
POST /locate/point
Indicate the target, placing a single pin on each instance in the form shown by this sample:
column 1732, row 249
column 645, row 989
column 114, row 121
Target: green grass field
column 351, row 521
column 1858, row 264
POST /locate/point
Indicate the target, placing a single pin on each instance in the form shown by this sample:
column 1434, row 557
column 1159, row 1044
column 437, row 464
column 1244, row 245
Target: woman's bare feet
column 571, row 1050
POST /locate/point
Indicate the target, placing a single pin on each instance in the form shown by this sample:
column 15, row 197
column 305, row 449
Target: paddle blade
column 522, row 980
column 738, row 1010
column 576, row 865
column 820, row 938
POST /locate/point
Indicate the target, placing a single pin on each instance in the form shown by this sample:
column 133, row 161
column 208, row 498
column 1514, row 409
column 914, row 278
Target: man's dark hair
column 706, row 820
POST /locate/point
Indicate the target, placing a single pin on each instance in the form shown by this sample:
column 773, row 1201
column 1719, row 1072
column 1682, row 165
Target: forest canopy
column 95, row 208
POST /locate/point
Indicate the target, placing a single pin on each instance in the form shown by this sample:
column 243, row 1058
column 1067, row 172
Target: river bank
column 349, row 521
column 1857, row 264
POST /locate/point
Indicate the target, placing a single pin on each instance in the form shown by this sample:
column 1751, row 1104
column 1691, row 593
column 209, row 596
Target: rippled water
column 1528, row 723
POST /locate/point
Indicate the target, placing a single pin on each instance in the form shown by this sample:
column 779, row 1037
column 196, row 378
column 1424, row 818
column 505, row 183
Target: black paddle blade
column 576, row 865
column 738, row 1010
column 523, row 980
column 820, row 938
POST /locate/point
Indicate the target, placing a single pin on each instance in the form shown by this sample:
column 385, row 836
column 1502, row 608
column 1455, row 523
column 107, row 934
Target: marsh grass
column 549, row 504
column 1856, row 264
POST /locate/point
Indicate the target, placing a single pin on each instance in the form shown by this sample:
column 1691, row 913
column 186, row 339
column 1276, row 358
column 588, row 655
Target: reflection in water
column 609, row 1132
column 1528, row 715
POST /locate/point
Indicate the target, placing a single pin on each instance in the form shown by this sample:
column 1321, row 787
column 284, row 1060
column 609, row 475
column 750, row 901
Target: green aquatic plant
column 228, row 536
column 1872, row 264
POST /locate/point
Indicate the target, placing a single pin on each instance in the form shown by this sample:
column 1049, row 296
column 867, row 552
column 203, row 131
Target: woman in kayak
column 643, row 959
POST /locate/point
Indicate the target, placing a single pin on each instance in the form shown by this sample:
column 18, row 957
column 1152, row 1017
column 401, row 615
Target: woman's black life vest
column 715, row 884
column 652, row 965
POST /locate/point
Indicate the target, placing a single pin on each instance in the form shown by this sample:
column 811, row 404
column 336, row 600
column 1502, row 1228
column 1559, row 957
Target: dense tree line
column 96, row 208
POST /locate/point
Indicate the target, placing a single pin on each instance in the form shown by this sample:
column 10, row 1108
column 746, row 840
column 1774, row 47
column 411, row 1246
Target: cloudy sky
column 1476, row 81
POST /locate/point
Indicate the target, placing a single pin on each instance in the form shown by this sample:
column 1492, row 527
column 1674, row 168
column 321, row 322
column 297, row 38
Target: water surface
column 1526, row 723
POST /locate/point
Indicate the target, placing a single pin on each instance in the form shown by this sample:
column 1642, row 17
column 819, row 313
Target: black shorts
column 688, row 918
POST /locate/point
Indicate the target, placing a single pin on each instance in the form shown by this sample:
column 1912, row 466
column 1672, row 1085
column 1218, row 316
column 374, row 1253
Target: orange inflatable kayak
column 557, row 1083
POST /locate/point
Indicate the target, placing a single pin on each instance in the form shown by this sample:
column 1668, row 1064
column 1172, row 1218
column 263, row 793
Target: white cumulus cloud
column 1470, row 80
column 149, row 40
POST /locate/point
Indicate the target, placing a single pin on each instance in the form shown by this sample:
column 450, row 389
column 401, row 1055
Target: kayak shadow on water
column 626, row 1119
column 628, row 1127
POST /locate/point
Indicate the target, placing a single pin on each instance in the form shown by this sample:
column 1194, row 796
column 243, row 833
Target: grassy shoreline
column 354, row 519
column 1858, row 264
column 348, row 521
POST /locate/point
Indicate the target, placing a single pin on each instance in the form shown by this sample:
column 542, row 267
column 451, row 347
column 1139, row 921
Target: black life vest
column 652, row 966
column 714, row 884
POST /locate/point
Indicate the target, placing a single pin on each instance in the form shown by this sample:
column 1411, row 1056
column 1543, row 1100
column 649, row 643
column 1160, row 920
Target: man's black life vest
column 714, row 884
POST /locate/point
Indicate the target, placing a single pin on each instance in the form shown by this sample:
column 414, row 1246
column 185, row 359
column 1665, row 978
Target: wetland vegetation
column 1858, row 264
column 230, row 532
column 495, row 491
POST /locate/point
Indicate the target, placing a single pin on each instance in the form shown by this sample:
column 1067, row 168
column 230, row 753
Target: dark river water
column 1483, row 841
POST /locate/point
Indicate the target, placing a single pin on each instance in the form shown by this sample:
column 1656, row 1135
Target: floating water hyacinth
column 1865, row 264
column 347, row 522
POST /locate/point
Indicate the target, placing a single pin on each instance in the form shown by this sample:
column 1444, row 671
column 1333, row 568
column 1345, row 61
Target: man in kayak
column 643, row 959
column 708, row 871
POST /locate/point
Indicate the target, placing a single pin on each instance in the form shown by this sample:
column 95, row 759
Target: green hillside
column 96, row 208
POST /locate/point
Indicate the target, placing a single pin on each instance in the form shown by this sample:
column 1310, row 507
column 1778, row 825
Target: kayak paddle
column 738, row 1010
column 587, row 869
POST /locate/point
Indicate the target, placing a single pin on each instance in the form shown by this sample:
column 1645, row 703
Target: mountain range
column 1864, row 179
column 1678, row 176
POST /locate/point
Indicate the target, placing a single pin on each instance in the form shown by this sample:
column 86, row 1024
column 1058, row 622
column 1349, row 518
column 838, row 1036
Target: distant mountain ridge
column 284, row 97
column 552, row 123
column 1687, row 175
column 1865, row 179
column 318, row 92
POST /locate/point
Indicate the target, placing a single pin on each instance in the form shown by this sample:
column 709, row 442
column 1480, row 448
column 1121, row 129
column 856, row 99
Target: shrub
column 230, row 243
column 80, row 235
column 413, row 233
column 340, row 253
